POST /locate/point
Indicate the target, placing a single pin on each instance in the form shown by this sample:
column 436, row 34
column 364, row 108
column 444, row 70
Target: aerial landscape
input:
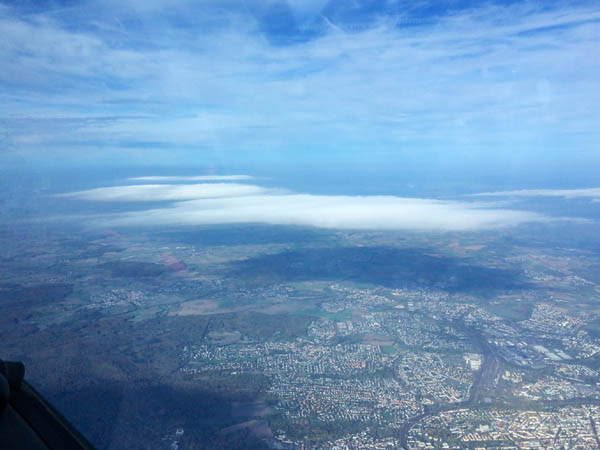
column 316, row 224
column 272, row 336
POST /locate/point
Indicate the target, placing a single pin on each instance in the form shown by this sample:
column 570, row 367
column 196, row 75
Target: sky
column 449, row 85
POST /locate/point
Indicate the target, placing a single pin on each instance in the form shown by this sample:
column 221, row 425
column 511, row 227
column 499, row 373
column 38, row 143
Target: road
column 595, row 430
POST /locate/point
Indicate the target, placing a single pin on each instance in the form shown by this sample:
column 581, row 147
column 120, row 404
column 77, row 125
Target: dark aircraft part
column 27, row 421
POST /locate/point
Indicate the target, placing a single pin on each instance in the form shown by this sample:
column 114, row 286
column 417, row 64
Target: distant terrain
column 275, row 337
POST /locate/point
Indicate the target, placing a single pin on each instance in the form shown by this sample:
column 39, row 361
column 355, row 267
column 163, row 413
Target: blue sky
column 362, row 82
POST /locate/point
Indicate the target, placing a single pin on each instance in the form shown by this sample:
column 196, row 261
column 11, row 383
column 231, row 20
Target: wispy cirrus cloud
column 229, row 203
column 219, row 78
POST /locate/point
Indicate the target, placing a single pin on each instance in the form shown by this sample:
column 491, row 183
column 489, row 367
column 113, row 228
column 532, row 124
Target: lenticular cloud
column 593, row 193
column 165, row 192
column 194, row 178
column 233, row 203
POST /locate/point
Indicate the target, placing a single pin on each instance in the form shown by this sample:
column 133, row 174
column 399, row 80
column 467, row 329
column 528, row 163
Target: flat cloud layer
column 165, row 192
column 565, row 193
column 194, row 178
column 222, row 203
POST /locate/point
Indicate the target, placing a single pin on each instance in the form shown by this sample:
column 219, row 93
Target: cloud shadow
column 385, row 266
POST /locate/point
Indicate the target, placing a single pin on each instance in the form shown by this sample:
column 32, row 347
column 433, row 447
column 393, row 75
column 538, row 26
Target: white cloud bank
column 593, row 193
column 221, row 203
